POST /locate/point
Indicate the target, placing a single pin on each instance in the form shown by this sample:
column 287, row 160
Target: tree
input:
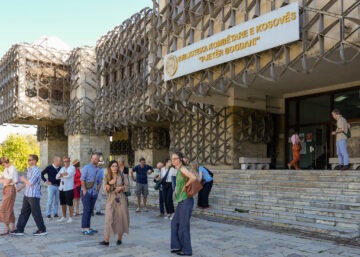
column 18, row 147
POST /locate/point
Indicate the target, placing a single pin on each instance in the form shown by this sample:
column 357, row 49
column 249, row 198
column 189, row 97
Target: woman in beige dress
column 116, row 210
column 9, row 180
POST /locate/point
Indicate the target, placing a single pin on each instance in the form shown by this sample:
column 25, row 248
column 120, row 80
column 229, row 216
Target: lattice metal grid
column 83, row 86
column 34, row 85
column 122, row 59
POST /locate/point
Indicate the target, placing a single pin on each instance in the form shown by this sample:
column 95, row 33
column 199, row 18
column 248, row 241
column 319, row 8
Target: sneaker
column 171, row 216
column 40, row 233
column 49, row 217
column 69, row 220
column 93, row 230
column 137, row 210
column 167, row 216
column 161, row 215
column 118, row 242
column 61, row 219
column 88, row 232
column 16, row 233
column 99, row 213
column 56, row 216
column 145, row 209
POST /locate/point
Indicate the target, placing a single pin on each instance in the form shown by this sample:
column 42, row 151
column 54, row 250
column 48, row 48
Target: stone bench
column 253, row 163
column 354, row 163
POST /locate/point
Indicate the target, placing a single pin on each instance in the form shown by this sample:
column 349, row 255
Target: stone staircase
column 325, row 203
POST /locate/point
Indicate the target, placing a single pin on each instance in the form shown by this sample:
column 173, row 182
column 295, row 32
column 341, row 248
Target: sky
column 76, row 22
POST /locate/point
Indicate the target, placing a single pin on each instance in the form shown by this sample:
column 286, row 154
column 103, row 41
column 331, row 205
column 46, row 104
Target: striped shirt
column 34, row 177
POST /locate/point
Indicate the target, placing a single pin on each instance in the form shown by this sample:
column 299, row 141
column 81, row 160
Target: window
column 348, row 103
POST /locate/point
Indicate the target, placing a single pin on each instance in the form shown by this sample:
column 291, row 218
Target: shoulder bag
column 193, row 188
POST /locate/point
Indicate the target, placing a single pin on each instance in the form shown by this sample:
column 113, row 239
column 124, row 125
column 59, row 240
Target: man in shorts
column 142, row 171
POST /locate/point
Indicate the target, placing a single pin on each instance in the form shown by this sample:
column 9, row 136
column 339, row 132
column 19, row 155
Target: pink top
column 295, row 139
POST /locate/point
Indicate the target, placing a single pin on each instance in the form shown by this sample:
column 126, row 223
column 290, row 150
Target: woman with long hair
column 116, row 210
column 9, row 180
column 180, row 224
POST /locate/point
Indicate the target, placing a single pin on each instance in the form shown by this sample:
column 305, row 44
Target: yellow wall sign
column 267, row 31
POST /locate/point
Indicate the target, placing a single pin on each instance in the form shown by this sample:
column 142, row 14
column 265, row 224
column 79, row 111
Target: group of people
column 67, row 184
column 341, row 136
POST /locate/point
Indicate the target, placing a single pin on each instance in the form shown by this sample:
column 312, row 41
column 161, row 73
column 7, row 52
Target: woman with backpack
column 206, row 178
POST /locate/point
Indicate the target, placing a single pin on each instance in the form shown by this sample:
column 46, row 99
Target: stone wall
column 82, row 146
column 50, row 148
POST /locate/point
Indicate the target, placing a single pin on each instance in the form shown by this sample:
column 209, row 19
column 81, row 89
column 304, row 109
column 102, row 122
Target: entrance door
column 315, row 146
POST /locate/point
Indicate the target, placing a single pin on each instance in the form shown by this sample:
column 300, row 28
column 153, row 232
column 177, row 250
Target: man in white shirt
column 66, row 188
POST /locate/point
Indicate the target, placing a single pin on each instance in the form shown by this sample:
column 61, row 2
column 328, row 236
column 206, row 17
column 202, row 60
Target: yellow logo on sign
column 171, row 65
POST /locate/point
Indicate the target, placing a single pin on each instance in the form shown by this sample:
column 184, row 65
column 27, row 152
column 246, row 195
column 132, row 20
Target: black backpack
column 210, row 173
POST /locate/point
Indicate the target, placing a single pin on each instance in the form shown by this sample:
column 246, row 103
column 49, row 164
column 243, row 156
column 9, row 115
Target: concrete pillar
column 82, row 146
column 53, row 142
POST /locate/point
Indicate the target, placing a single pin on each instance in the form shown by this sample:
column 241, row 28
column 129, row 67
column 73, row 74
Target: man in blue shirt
column 91, row 180
column 53, row 186
column 31, row 201
column 142, row 171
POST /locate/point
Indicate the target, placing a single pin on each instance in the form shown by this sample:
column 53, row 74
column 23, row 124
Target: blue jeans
column 341, row 152
column 161, row 201
column 88, row 202
column 180, row 226
column 53, row 197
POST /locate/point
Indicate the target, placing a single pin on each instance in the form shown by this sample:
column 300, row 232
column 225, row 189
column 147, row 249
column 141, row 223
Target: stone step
column 233, row 194
column 285, row 202
column 292, row 225
column 252, row 189
column 293, row 184
column 292, row 177
column 288, row 172
column 308, row 218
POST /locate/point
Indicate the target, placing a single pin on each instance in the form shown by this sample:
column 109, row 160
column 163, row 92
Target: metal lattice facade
column 34, row 85
column 83, row 86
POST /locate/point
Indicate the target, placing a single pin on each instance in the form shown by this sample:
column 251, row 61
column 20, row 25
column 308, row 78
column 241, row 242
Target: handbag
column 157, row 184
column 89, row 185
column 193, row 188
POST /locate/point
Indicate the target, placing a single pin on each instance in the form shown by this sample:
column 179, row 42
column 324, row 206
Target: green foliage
column 18, row 147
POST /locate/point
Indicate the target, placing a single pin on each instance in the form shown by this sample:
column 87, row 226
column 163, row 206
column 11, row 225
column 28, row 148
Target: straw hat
column 75, row 161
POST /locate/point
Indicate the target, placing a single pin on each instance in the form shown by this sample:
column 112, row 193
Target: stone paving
column 150, row 236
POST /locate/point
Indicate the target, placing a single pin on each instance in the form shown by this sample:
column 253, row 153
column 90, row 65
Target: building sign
column 267, row 31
